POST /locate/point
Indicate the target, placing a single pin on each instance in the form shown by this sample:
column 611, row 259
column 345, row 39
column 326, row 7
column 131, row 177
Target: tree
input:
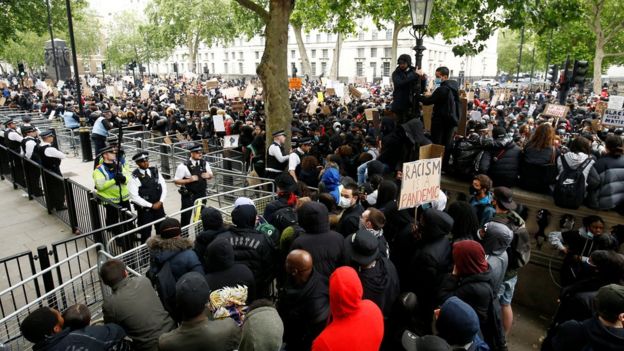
column 192, row 22
column 273, row 70
column 508, row 50
column 27, row 48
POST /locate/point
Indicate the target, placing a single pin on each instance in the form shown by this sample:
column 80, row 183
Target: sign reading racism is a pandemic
column 421, row 182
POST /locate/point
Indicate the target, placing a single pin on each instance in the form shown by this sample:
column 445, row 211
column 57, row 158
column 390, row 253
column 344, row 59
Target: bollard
column 85, row 144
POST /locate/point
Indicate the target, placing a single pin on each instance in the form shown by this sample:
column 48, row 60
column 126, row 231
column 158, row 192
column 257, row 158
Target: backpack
column 570, row 187
column 465, row 158
column 519, row 251
column 268, row 229
column 284, row 218
column 453, row 109
column 164, row 283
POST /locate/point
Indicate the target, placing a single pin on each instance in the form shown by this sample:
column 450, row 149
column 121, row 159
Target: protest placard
column 556, row 111
column 249, row 91
column 370, row 113
column 312, row 106
column 354, row 92
column 230, row 141
column 238, row 106
column 330, row 92
column 385, row 81
column 231, row 93
column 614, row 118
column 144, row 94
column 430, row 151
column 420, row 183
column 427, row 112
column 294, row 83
column 212, row 84
column 217, row 121
column 196, row 103
column 320, row 97
column 615, row 102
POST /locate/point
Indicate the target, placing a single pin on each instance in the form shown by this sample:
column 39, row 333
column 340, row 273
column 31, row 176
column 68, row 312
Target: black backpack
column 570, row 187
column 465, row 158
column 284, row 218
column 164, row 283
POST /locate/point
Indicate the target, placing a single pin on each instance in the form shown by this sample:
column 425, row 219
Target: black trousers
column 188, row 201
column 113, row 213
column 99, row 141
column 148, row 215
column 443, row 135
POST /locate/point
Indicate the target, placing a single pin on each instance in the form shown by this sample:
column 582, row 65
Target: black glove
column 120, row 179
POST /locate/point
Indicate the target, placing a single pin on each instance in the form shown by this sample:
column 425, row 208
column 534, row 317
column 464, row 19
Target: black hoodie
column 252, row 248
column 590, row 334
column 222, row 270
column 440, row 101
column 325, row 245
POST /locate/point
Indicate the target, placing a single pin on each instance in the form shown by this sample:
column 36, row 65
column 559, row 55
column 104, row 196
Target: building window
column 318, row 38
column 257, row 55
column 361, row 36
column 387, row 52
column 386, row 69
column 359, row 69
column 225, row 65
column 325, row 53
column 313, row 53
column 323, row 68
column 212, row 56
column 213, row 70
column 374, row 34
column 292, row 54
column 240, row 68
column 360, row 52
column 307, row 38
column 240, row 55
column 373, row 52
column 227, row 56
column 313, row 68
column 388, row 34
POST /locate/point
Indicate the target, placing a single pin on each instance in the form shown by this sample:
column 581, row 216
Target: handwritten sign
column 294, row 83
column 196, row 103
column 212, row 84
column 421, row 182
column 237, row 106
column 615, row 102
column 231, row 93
column 144, row 94
column 230, row 141
column 556, row 111
column 320, row 97
column 613, row 118
column 219, row 125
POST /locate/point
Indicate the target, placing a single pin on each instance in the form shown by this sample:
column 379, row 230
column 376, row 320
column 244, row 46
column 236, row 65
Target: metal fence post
column 71, row 205
column 165, row 168
column 96, row 222
column 46, row 191
column 48, row 281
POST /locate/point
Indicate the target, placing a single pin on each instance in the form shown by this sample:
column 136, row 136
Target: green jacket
column 105, row 184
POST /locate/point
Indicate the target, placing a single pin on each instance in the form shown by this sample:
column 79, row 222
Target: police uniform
column 13, row 141
column 295, row 157
column 276, row 160
column 146, row 187
column 29, row 151
column 50, row 158
column 190, row 192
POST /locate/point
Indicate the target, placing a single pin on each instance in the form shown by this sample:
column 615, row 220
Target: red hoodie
column 355, row 324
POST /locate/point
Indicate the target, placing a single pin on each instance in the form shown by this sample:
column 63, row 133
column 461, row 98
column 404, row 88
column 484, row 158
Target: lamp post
column 421, row 14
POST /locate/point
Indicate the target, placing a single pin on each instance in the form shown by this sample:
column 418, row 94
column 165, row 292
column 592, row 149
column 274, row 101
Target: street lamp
column 421, row 14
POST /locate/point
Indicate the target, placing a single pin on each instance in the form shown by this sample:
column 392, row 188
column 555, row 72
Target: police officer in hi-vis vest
column 192, row 176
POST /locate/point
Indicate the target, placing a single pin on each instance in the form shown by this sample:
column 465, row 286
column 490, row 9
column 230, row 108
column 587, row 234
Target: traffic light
column 20, row 68
column 580, row 70
column 553, row 73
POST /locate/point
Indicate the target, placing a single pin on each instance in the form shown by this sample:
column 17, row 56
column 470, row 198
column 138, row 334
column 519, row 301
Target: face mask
column 344, row 202
column 437, row 82
column 473, row 191
column 337, row 129
column 365, row 148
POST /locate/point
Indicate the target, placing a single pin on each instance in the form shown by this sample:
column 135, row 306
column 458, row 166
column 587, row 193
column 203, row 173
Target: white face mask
column 344, row 202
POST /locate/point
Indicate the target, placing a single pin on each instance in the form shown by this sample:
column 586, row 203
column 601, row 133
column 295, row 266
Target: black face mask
column 473, row 191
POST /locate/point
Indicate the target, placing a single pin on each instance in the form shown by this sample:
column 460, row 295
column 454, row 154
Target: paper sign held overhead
column 330, row 92
column 217, row 121
column 615, row 102
column 144, row 94
column 420, row 183
column 230, row 141
column 212, row 84
column 196, row 103
column 614, row 118
column 320, row 97
column 556, row 111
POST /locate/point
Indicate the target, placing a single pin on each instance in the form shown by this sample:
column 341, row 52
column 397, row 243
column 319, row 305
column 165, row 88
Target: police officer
column 294, row 160
column 13, row 141
column 111, row 183
column 192, row 177
column 29, row 145
column 29, row 142
column 277, row 159
column 113, row 141
column 51, row 161
column 148, row 191
column 99, row 133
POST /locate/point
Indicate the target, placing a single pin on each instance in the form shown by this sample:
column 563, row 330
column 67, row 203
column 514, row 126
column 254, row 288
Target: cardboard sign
column 248, row 94
column 463, row 116
column 371, row 113
column 615, row 102
column 360, row 80
column 420, row 183
column 212, row 84
column 320, row 97
column 354, row 92
column 294, row 83
column 556, row 111
column 312, row 106
column 238, row 106
column 196, row 103
column 427, row 112
column 144, row 94
column 231, row 93
column 431, row 151
column 217, row 121
column 614, row 118
column 470, row 96
column 330, row 92
column 326, row 110
column 230, row 141
column 2, row 101
column 177, row 97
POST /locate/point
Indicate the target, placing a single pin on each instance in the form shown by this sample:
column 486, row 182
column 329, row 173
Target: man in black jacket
column 212, row 223
column 303, row 302
column 501, row 159
column 445, row 118
column 352, row 209
column 407, row 82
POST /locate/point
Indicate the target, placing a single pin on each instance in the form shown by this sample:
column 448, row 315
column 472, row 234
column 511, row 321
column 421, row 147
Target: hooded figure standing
column 408, row 84
column 350, row 315
column 445, row 101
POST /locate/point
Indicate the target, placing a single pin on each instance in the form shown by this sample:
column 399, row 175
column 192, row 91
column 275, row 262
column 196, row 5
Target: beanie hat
column 211, row 218
column 192, row 293
column 169, row 228
column 457, row 322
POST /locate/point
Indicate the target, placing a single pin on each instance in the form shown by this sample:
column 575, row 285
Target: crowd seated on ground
column 348, row 259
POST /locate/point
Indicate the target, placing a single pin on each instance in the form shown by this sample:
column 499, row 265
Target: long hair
column 465, row 220
column 544, row 137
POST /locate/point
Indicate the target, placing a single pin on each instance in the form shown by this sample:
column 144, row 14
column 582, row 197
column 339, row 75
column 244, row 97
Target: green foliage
column 508, row 49
column 27, row 48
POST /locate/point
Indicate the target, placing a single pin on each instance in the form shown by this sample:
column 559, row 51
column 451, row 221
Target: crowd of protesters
column 352, row 271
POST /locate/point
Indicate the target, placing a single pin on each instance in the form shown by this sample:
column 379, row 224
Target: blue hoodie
column 331, row 180
column 458, row 324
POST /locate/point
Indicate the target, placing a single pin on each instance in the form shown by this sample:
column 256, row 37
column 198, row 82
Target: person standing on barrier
column 148, row 191
column 277, row 159
column 100, row 131
column 192, row 177
column 111, row 183
column 51, row 159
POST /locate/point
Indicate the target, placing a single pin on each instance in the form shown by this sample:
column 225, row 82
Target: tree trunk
column 193, row 48
column 598, row 57
column 334, row 72
column 273, row 70
column 306, row 68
